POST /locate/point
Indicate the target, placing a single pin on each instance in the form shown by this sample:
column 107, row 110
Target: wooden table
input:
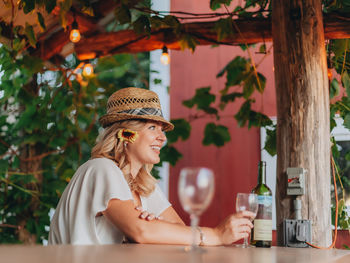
column 131, row 253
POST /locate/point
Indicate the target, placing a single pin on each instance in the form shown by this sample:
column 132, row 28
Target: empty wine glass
column 196, row 190
column 246, row 202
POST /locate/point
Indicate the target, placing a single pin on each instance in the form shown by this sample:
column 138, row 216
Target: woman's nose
column 161, row 136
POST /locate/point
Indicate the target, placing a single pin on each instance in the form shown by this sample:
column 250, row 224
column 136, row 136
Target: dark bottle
column 262, row 231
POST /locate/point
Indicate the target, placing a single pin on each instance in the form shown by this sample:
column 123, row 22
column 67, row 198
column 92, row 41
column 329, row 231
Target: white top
column 95, row 183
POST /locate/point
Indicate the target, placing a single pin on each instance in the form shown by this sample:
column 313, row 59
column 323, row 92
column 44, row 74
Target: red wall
column 235, row 164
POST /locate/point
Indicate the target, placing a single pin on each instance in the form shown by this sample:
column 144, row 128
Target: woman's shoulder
column 99, row 168
column 101, row 163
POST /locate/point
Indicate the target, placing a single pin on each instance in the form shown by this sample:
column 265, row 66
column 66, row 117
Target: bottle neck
column 262, row 173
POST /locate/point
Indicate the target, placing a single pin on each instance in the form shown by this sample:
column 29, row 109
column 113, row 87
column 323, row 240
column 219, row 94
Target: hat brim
column 109, row 119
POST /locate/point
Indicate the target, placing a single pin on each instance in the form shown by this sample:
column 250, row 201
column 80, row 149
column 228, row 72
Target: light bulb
column 165, row 58
column 88, row 70
column 74, row 35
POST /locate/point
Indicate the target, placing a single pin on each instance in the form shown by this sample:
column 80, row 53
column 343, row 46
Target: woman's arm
column 123, row 215
column 171, row 216
column 168, row 215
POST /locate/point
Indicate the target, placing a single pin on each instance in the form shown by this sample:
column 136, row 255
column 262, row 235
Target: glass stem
column 194, row 224
column 245, row 242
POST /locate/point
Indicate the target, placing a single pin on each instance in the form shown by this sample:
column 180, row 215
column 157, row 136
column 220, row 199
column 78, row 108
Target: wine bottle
column 262, row 231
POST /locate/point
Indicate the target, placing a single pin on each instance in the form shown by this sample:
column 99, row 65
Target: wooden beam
column 127, row 41
column 53, row 45
column 252, row 31
column 88, row 26
column 302, row 92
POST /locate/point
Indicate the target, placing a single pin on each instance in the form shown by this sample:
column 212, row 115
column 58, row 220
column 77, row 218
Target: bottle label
column 263, row 220
column 262, row 230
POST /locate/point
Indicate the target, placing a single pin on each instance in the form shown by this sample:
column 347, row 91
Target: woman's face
column 146, row 148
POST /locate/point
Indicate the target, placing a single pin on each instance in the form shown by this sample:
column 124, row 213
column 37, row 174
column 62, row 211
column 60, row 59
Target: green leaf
column 67, row 174
column 216, row 4
column 248, row 87
column 3, row 166
column 334, row 148
column 26, row 117
column 122, row 14
column 171, row 21
column 262, row 49
column 203, row 98
column 216, row 134
column 170, row 154
column 157, row 81
column 244, row 47
column 33, row 64
column 253, row 82
column 28, row 6
column 271, row 141
column 210, row 110
column 242, row 116
column 156, row 22
column 236, row 70
column 262, row 81
column 341, row 205
column 23, row 179
column 258, row 119
column 224, row 28
column 50, row 5
column 88, row 10
column 334, row 88
column 41, row 21
column 347, row 121
column 231, row 97
column 182, row 130
column 15, row 163
column 30, row 35
column 188, row 41
column 142, row 25
column 66, row 5
column 63, row 18
column 346, row 82
column 339, row 46
column 19, row 44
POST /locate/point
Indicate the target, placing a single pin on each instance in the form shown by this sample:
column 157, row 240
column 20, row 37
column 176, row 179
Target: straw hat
column 133, row 104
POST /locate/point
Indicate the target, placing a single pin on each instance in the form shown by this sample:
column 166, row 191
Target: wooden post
column 303, row 135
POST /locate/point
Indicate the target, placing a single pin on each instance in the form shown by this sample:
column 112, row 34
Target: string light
column 74, row 35
column 88, row 70
column 165, row 58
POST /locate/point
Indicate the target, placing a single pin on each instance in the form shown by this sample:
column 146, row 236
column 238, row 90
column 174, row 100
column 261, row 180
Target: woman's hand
column 146, row 215
column 235, row 227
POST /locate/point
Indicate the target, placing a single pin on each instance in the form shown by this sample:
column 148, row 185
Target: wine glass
column 246, row 202
column 196, row 190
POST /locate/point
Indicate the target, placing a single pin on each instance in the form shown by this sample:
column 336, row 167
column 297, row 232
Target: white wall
column 159, row 71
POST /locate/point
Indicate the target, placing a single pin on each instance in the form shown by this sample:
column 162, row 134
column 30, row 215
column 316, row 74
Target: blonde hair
column 109, row 146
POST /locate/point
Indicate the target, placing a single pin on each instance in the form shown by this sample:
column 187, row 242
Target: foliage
column 49, row 116
column 340, row 59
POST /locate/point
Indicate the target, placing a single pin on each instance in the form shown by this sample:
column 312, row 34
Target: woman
column 113, row 197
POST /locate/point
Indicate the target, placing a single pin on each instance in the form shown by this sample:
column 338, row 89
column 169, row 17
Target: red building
column 234, row 164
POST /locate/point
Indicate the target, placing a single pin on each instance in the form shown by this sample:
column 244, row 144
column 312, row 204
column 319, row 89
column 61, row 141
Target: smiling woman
column 113, row 198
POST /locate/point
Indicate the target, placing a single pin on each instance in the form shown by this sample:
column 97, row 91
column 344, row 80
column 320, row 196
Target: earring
column 125, row 144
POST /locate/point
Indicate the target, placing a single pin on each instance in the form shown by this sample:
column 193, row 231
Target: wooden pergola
column 298, row 31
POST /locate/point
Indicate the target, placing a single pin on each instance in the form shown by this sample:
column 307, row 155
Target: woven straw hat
column 133, row 104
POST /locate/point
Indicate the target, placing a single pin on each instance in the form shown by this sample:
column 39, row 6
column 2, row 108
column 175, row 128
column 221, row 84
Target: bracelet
column 201, row 236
